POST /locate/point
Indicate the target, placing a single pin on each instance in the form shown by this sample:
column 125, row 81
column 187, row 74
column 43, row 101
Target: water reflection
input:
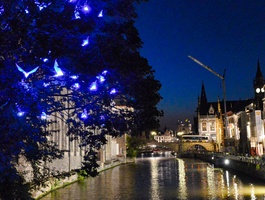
column 182, row 180
column 163, row 178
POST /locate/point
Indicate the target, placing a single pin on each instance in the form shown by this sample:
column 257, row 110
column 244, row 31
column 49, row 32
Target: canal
column 163, row 178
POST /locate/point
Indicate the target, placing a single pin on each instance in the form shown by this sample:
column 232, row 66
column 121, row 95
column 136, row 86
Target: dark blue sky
column 222, row 34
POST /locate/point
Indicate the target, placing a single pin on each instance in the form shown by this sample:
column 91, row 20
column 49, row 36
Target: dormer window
column 211, row 110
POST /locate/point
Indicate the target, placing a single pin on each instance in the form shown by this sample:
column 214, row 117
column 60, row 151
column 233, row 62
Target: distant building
column 184, row 127
column 166, row 137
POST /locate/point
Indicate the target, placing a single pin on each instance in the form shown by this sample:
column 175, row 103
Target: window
column 204, row 127
column 212, row 126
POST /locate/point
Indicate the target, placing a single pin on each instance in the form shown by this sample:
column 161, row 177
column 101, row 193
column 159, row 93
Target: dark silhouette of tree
column 103, row 77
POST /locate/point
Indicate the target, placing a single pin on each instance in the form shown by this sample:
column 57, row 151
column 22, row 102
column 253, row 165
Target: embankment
column 246, row 165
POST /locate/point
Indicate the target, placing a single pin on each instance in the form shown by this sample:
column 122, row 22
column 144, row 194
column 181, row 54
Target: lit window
column 204, row 127
column 212, row 126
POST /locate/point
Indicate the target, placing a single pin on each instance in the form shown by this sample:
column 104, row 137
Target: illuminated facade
column 211, row 121
column 245, row 121
column 166, row 137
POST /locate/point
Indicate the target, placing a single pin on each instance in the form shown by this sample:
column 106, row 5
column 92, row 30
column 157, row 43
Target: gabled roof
column 231, row 106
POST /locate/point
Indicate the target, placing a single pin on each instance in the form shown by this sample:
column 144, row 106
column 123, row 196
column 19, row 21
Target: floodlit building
column 166, row 137
column 245, row 121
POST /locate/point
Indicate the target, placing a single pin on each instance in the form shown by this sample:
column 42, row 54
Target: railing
column 250, row 159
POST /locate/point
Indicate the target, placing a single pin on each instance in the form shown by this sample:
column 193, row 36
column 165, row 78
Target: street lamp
column 223, row 84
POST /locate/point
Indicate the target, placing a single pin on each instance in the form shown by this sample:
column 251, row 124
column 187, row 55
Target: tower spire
column 203, row 95
column 258, row 84
column 259, row 77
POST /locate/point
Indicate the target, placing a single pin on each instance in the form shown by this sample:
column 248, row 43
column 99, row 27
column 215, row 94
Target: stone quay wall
column 247, row 165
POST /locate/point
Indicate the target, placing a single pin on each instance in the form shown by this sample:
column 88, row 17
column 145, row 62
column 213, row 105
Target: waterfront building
column 166, row 137
column 113, row 150
column 245, row 121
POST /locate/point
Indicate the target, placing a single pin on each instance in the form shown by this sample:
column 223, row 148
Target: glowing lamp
column 104, row 72
column 45, row 59
column 86, row 8
column 93, row 86
column 85, row 42
column 74, row 77
column 77, row 15
column 226, row 162
column 43, row 116
column 76, row 86
column 113, row 91
column 26, row 74
column 84, row 114
column 58, row 71
column 101, row 78
column 20, row 113
column 100, row 13
column 46, row 84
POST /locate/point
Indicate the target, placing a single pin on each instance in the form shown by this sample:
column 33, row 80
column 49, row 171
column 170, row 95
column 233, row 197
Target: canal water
column 163, row 178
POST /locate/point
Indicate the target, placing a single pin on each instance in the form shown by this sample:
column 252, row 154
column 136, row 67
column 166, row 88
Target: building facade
column 243, row 129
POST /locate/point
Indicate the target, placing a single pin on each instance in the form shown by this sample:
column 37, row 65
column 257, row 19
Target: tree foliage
column 100, row 46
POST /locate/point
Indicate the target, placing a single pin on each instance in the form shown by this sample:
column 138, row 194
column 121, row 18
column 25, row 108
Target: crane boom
column 206, row 67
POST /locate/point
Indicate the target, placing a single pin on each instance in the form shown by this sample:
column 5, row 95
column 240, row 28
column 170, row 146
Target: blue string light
column 26, row 74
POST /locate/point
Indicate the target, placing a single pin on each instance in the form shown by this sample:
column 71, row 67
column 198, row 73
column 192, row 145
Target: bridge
column 196, row 146
column 186, row 146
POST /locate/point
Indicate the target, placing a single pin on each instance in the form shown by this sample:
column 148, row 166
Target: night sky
column 222, row 34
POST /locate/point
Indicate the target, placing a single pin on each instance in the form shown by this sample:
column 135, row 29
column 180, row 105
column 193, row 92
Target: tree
column 88, row 55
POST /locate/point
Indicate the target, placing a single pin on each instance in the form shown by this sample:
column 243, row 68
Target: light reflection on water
column 163, row 178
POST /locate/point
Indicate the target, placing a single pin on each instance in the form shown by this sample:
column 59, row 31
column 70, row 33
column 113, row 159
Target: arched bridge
column 196, row 146
column 187, row 146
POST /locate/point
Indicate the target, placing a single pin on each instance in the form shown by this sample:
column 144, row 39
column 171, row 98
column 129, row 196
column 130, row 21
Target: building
column 184, row 127
column 166, row 137
column 243, row 131
column 114, row 150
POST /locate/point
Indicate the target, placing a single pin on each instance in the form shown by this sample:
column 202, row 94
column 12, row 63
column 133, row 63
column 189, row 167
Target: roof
column 231, row 106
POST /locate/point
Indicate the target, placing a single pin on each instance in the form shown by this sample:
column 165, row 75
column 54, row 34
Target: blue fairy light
column 85, row 42
column 86, row 8
column 45, row 59
column 76, row 86
column 84, row 114
column 104, row 72
column 77, row 15
column 58, row 71
column 20, row 114
column 2, row 9
column 43, row 116
column 42, row 5
column 26, row 74
column 74, row 77
column 93, row 86
column 46, row 84
column 100, row 13
column 101, row 78
column 113, row 91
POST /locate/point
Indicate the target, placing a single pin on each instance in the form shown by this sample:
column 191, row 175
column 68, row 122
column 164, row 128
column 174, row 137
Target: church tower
column 258, row 84
column 203, row 101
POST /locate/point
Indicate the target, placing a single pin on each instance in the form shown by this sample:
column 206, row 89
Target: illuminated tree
column 86, row 53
